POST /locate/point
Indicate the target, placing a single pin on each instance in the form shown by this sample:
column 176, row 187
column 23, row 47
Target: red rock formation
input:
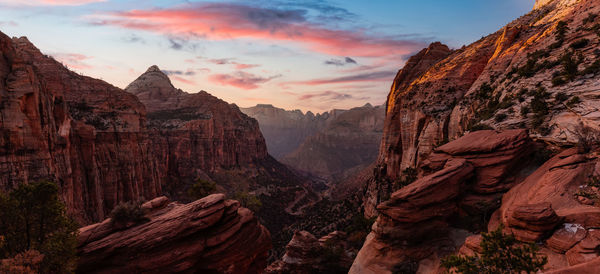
column 211, row 235
column 440, row 94
column 306, row 254
column 423, row 218
column 82, row 133
column 195, row 133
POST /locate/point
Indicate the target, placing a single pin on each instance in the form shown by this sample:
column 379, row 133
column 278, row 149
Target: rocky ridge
column 538, row 72
column 210, row 235
column 83, row 133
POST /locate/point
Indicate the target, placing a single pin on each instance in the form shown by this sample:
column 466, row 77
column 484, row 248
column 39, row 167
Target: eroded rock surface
column 513, row 78
column 211, row 235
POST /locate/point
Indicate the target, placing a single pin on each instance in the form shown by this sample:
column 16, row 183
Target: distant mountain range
column 331, row 145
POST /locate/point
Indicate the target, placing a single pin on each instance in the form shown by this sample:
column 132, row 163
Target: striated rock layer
column 521, row 76
column 461, row 185
column 84, row 134
column 211, row 235
column 195, row 134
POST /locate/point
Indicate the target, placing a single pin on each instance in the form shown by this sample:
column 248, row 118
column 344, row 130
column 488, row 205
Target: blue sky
column 309, row 55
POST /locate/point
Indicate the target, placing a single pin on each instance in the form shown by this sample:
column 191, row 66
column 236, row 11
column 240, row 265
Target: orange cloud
column 240, row 79
column 231, row 21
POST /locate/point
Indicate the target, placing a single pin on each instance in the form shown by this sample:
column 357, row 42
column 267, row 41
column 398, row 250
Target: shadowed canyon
column 483, row 158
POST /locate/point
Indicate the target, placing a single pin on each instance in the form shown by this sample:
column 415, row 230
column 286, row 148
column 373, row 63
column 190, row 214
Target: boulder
column 209, row 235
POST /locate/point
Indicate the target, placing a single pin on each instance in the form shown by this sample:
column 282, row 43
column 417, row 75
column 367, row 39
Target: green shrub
column 500, row 117
column 126, row 213
column 579, row 44
column 501, row 254
column 594, row 68
column 570, row 66
column 201, row 189
column 248, row 201
column 573, row 102
column 590, row 19
column 525, row 110
column 558, row 81
column 561, row 30
column 479, row 126
column 33, row 218
column 485, row 91
column 561, row 97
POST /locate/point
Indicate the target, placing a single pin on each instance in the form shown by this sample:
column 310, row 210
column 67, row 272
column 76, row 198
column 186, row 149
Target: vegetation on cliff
column 36, row 231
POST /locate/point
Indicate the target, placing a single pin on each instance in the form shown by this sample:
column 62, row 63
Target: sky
column 312, row 55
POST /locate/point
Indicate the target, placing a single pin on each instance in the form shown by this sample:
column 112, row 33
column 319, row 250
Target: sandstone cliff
column 285, row 130
column 462, row 184
column 211, row 235
column 540, row 72
column 194, row 135
column 345, row 146
column 84, row 134
column 332, row 145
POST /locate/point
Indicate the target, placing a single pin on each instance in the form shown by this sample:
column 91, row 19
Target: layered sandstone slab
column 211, row 235
column 306, row 254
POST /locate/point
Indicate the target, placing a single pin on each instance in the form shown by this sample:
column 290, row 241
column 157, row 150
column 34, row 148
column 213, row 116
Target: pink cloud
column 182, row 80
column 73, row 60
column 231, row 21
column 240, row 79
column 229, row 61
column 361, row 77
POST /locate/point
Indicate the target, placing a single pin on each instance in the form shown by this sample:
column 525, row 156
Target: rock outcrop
column 211, row 235
column 83, row 133
column 195, row 133
column 513, row 78
column 306, row 254
column 462, row 181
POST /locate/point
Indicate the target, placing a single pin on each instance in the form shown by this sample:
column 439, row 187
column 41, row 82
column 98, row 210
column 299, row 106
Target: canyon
column 333, row 145
column 500, row 134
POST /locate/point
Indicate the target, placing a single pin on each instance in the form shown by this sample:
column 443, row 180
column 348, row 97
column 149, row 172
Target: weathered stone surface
column 556, row 183
column 590, row 267
column 305, row 254
column 440, row 99
column 531, row 222
column 586, row 250
column 565, row 238
column 195, row 133
column 211, row 235
column 414, row 215
column 84, row 134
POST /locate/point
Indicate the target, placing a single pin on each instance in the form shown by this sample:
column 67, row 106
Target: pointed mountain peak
column 153, row 68
column 153, row 84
